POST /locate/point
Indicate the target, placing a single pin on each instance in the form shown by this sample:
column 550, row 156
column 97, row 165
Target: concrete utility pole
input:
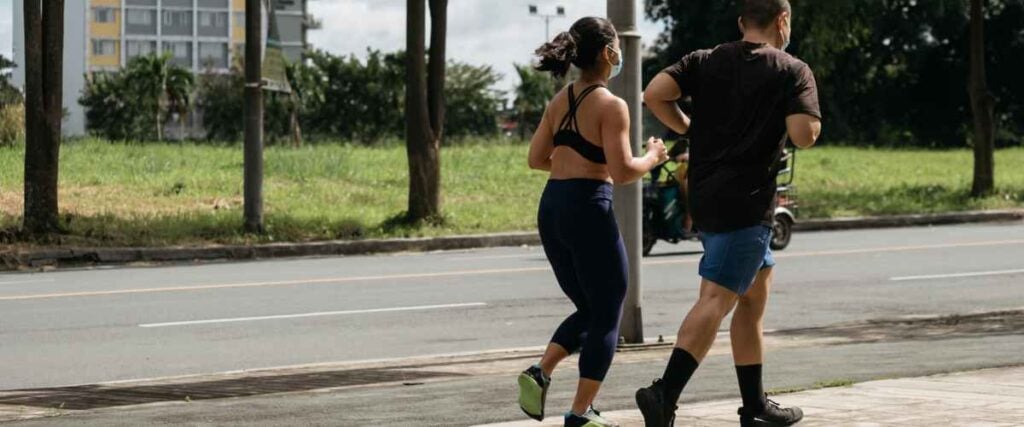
column 627, row 207
column 253, row 163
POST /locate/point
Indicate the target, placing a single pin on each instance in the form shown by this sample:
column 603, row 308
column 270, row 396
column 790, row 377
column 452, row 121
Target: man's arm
column 661, row 96
column 803, row 129
column 803, row 119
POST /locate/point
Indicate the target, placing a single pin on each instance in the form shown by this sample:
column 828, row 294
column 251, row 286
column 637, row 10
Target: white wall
column 75, row 42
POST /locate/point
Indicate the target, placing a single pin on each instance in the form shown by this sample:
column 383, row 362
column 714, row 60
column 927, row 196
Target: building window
column 181, row 53
column 177, row 23
column 213, row 24
column 240, row 19
column 101, row 47
column 139, row 17
column 103, row 15
column 213, row 4
column 136, row 48
column 213, row 55
column 185, row 4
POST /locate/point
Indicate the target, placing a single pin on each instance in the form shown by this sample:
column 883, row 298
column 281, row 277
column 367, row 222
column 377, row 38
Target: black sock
column 681, row 367
column 751, row 388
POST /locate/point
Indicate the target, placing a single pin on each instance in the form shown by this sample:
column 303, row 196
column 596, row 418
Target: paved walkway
column 991, row 397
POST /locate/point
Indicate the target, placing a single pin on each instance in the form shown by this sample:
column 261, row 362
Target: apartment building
column 202, row 35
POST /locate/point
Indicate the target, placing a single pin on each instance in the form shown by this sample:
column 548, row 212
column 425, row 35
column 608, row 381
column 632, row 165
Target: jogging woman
column 583, row 141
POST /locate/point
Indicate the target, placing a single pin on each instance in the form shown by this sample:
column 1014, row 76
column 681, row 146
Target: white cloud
column 6, row 28
column 483, row 32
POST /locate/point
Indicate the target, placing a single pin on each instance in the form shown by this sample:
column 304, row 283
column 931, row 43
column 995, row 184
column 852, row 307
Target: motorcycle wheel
column 782, row 232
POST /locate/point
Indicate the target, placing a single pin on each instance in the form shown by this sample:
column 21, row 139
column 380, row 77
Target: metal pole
column 253, row 117
column 627, row 207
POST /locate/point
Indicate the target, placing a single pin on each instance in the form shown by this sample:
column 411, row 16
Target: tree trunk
column 424, row 106
column 253, row 159
column 983, row 107
column 44, row 58
column 296, row 126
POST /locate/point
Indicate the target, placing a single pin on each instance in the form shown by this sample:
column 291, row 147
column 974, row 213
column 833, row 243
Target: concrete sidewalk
column 990, row 397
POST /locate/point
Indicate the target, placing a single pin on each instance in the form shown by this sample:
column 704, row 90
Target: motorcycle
column 665, row 210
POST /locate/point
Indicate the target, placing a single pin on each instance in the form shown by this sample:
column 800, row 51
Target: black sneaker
column 771, row 415
column 657, row 412
column 591, row 418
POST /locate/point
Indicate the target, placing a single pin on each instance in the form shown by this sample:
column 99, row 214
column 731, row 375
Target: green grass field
column 171, row 194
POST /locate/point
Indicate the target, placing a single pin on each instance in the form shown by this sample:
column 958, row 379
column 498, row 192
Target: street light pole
column 253, row 159
column 627, row 207
column 559, row 13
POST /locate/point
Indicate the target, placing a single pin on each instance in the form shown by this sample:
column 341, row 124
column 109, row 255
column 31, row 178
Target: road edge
column 79, row 256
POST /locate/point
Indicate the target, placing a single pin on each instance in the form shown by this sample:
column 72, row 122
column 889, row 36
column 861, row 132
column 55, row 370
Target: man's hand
column 661, row 96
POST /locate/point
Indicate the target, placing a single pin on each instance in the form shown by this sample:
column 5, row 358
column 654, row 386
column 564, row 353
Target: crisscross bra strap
column 569, row 122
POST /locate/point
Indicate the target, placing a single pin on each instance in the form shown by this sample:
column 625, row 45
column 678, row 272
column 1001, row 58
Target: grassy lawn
column 170, row 194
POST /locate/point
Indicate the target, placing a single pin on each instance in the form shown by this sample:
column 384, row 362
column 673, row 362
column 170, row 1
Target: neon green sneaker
column 533, row 392
column 591, row 418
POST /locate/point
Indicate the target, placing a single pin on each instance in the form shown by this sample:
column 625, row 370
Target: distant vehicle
column 665, row 207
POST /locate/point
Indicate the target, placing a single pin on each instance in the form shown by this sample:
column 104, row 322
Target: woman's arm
column 542, row 145
column 622, row 166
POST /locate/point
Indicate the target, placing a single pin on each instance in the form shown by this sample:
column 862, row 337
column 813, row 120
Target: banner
column 275, row 75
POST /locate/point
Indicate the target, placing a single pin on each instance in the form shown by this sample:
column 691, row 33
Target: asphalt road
column 86, row 326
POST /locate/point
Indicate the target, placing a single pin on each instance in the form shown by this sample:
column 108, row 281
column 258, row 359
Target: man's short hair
column 761, row 13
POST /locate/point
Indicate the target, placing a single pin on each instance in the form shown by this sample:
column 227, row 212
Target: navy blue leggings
column 582, row 242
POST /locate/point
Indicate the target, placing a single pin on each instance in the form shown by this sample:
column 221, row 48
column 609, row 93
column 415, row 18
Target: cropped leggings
column 582, row 242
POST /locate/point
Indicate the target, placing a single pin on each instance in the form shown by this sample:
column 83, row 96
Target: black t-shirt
column 742, row 93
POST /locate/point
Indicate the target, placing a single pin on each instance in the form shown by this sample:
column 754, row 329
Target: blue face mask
column 616, row 68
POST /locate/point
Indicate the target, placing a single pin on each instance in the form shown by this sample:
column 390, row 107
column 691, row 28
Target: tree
column 9, row 95
column 472, row 102
column 163, row 86
column 424, row 108
column 863, row 52
column 983, row 106
column 134, row 103
column 12, row 113
column 44, row 58
column 532, row 95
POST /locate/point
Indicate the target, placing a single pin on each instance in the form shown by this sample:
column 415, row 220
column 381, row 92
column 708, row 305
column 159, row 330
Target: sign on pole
column 275, row 74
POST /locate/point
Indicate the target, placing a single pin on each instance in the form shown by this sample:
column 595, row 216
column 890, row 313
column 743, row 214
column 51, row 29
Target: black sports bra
column 568, row 134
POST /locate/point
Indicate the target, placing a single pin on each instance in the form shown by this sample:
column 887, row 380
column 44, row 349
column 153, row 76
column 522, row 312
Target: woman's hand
column 656, row 150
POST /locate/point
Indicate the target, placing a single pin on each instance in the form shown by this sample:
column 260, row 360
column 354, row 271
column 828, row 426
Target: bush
column 12, row 124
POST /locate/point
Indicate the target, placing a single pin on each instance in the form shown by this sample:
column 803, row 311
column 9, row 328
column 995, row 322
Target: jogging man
column 748, row 96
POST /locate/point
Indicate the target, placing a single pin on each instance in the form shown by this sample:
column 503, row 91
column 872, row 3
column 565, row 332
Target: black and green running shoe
column 591, row 418
column 533, row 392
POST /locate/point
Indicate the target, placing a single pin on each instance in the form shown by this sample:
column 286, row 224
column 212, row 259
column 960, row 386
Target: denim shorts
column 734, row 258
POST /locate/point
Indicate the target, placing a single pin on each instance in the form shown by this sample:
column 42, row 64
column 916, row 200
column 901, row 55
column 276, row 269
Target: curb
column 858, row 223
column 14, row 260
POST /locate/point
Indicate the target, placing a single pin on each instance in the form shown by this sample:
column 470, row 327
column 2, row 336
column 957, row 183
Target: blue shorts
column 733, row 259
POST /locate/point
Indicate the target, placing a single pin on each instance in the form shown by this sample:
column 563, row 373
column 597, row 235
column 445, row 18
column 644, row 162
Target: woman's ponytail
column 557, row 55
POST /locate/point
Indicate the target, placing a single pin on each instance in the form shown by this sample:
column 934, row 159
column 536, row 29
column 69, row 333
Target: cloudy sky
column 484, row 32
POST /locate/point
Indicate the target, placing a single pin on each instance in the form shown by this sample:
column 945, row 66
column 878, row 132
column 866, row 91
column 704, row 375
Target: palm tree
column 532, row 95
column 167, row 87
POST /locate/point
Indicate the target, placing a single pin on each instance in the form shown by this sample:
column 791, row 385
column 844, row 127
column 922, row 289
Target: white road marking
column 466, row 258
column 316, row 314
column 958, row 275
column 19, row 282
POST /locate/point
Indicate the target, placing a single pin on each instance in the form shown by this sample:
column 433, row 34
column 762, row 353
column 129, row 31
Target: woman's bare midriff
column 567, row 164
